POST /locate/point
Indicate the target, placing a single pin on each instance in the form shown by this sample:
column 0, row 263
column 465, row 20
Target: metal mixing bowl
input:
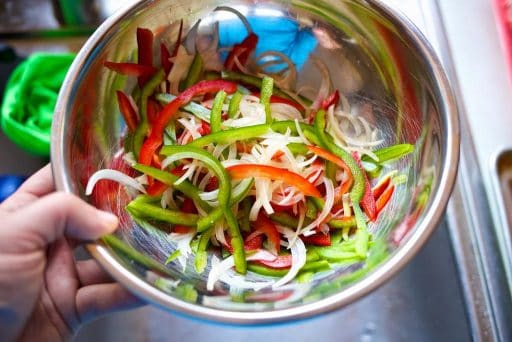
column 379, row 61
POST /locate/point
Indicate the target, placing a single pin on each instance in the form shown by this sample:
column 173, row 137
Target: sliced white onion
column 219, row 233
column 220, row 268
column 325, row 85
column 345, row 199
column 301, row 134
column 142, row 179
column 183, row 245
column 129, row 158
column 113, row 175
column 298, row 251
column 283, row 111
column 167, row 198
column 329, row 202
column 182, row 63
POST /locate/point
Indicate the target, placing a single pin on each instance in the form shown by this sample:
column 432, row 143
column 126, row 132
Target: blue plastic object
column 9, row 184
column 274, row 33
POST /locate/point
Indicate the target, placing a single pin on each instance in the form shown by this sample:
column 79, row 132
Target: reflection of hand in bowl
column 394, row 83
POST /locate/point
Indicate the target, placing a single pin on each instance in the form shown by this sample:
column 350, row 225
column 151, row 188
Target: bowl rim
column 360, row 288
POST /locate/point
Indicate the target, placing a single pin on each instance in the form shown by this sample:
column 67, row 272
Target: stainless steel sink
column 458, row 288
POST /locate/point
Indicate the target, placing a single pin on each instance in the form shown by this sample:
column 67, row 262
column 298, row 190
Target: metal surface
column 78, row 149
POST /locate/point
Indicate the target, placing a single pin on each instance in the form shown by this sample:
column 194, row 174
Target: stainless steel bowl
column 377, row 58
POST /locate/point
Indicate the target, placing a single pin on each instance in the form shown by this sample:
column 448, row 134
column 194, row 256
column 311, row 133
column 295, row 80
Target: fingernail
column 109, row 220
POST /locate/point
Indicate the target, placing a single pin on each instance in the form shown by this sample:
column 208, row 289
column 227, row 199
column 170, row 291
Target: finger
column 51, row 217
column 96, row 300
column 91, row 273
column 38, row 185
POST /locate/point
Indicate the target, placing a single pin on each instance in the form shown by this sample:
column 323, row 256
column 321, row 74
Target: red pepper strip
column 241, row 51
column 130, row 69
column 278, row 99
column 250, row 245
column 127, row 111
column 345, row 187
column 384, row 198
column 242, row 171
column 212, row 184
column 145, row 50
column 367, row 202
column 332, row 99
column 380, row 187
column 318, row 239
column 268, row 228
column 178, row 41
column 189, row 207
column 154, row 141
column 157, row 188
column 282, row 261
column 153, row 109
column 165, row 57
column 205, row 128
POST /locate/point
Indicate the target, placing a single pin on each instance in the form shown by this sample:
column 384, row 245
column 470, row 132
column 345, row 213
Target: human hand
column 44, row 293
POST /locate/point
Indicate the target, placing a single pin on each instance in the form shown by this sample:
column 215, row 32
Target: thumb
column 53, row 216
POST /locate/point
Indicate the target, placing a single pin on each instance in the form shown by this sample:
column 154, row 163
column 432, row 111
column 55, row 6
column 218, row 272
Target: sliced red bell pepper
column 144, row 50
column 242, row 171
column 165, row 57
column 318, row 239
column 189, row 207
column 212, row 184
column 268, row 228
column 345, row 187
column 154, row 141
column 384, row 198
column 131, row 69
column 153, row 109
column 178, row 41
column 250, row 245
column 380, row 187
column 279, row 99
column 205, row 128
column 127, row 111
column 332, row 99
column 367, row 202
column 241, row 52
column 282, row 261
column 156, row 188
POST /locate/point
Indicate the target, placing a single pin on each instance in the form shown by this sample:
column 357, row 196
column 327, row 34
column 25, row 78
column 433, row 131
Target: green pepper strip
column 390, row 153
column 143, row 127
column 232, row 135
column 267, row 84
column 316, row 266
column 201, row 258
column 234, row 104
column 266, row 271
column 201, row 112
column 311, row 210
column 216, row 113
column 245, row 224
column 357, row 191
column 155, row 212
column 168, row 178
column 194, row 72
column 144, row 260
column 183, row 152
column 256, row 82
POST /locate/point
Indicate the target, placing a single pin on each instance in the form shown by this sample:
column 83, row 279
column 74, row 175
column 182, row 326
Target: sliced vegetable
column 242, row 171
column 131, row 69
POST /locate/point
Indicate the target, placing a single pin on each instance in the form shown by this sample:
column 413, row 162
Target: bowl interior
column 381, row 66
